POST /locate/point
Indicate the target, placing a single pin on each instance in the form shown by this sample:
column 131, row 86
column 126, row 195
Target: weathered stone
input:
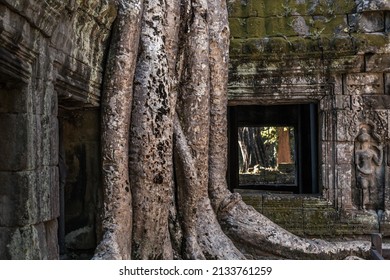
column 377, row 63
column 49, row 126
column 238, row 27
column 353, row 22
column 287, row 217
column 29, row 197
column 380, row 119
column 17, row 32
column 319, row 222
column 351, row 64
column 12, row 97
column 338, row 46
column 335, row 25
column 344, row 184
column 370, row 42
column 342, row 102
column 312, row 202
column 387, row 83
column 256, row 27
column 385, row 223
column 15, row 142
column 239, row 9
column 344, row 153
column 29, row 242
column 376, row 102
column 275, row 201
column 51, row 230
column 374, row 5
column 364, row 83
column 44, row 16
column 347, row 125
column 333, row 7
column 371, row 22
column 274, row 25
column 235, row 47
column 327, row 120
column 327, row 171
column 300, row 26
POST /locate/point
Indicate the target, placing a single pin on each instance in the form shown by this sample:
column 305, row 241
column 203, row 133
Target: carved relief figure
column 368, row 159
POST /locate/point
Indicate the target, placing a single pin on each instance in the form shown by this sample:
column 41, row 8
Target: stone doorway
column 81, row 193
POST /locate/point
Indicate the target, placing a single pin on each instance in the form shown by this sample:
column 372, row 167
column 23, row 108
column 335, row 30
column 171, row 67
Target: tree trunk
column 168, row 68
column 284, row 150
column 116, row 110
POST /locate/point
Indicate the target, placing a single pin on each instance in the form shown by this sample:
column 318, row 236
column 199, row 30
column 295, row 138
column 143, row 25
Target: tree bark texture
column 164, row 135
column 116, row 110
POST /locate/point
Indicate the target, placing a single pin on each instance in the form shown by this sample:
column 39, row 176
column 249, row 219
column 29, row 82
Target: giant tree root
column 258, row 236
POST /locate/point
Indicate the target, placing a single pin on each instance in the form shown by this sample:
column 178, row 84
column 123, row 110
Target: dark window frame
column 304, row 119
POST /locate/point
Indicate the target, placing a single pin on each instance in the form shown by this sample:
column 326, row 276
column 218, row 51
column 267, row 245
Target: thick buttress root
column 260, row 237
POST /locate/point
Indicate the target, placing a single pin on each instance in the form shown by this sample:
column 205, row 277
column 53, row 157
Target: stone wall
column 335, row 54
column 51, row 55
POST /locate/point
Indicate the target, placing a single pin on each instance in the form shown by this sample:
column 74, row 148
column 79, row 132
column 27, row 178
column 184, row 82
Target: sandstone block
column 374, row 5
column 238, row 27
column 256, row 27
column 364, row 83
column 235, row 47
column 51, row 230
column 12, row 96
column 43, row 131
column 370, row 42
column 377, row 63
column 15, row 142
column 334, row 25
column 238, row 9
column 29, row 197
column 371, row 22
column 44, row 15
column 342, row 102
column 30, row 242
column 344, row 153
column 256, row 8
column 319, row 221
column 277, row 26
column 375, row 102
column 286, row 217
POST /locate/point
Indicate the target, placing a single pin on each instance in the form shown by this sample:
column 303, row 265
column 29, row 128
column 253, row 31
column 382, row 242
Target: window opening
column 274, row 148
column 266, row 155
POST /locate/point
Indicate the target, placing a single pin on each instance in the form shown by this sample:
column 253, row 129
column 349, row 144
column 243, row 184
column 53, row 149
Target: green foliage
column 269, row 134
